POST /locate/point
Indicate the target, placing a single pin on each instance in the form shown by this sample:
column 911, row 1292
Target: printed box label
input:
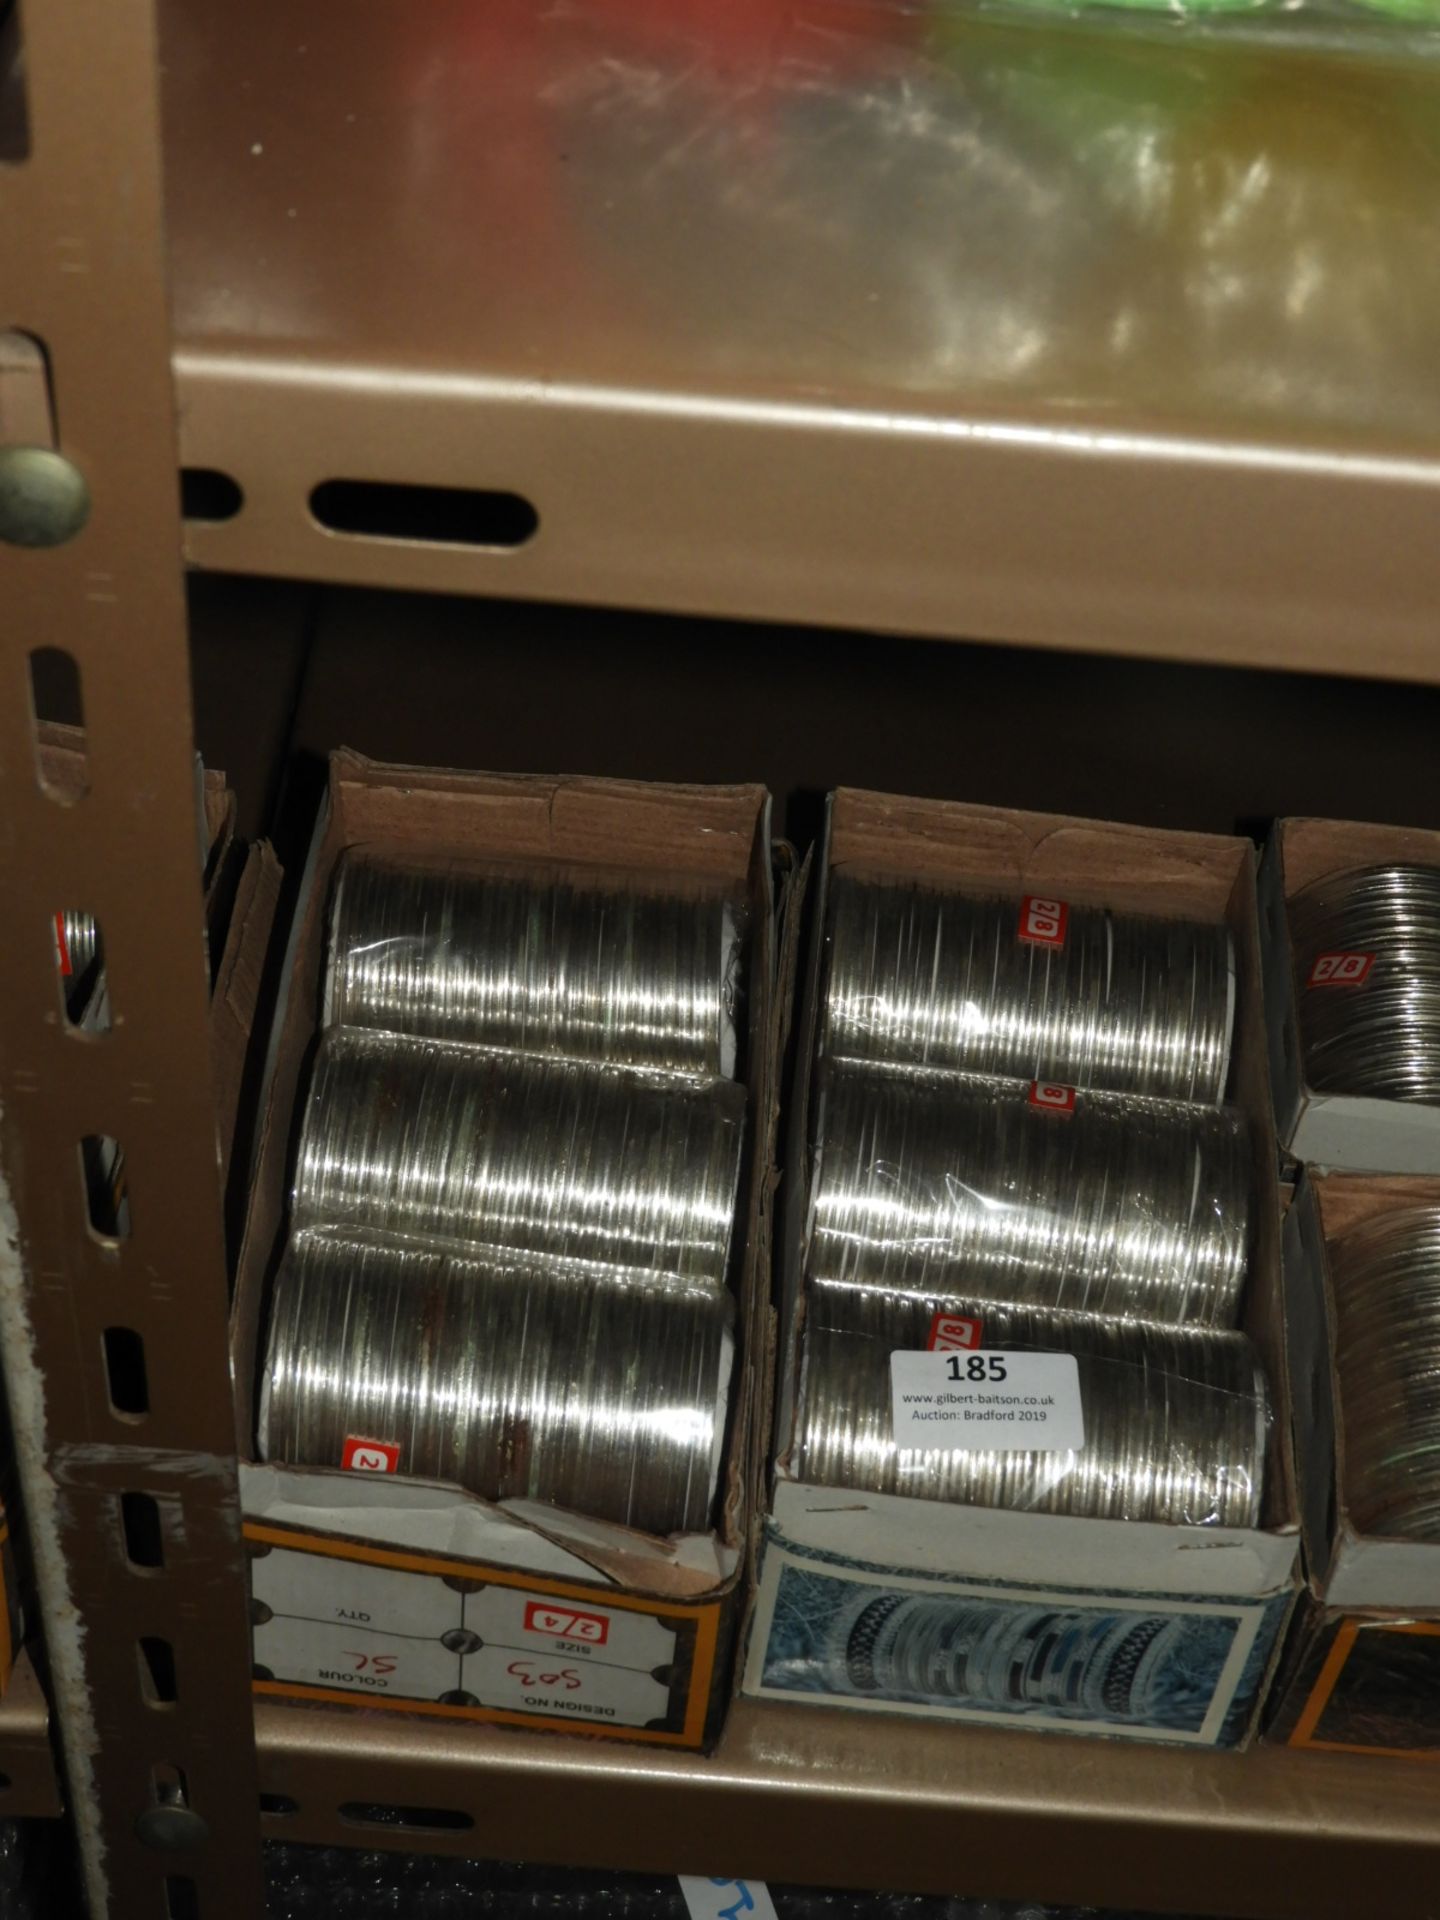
column 314, row 1586
column 545, row 1627
column 1051, row 1097
column 565, row 1686
column 317, row 1653
column 1341, row 969
column 953, row 1333
column 707, row 1899
column 563, row 1622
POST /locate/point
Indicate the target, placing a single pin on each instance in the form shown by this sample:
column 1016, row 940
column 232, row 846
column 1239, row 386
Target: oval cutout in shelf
column 208, row 494
column 430, row 516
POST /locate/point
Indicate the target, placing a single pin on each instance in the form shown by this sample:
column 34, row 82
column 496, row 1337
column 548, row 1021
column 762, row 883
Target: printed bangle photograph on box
column 1362, row 1273
column 505, row 1272
column 1032, row 1128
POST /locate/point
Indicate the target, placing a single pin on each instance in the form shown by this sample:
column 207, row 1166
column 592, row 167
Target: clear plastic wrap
column 1176, row 1420
column 519, row 1381
column 631, row 969
column 1134, row 1209
column 1315, row 22
column 1385, row 1275
column 1366, row 948
column 980, row 213
column 544, row 1158
column 1024, row 988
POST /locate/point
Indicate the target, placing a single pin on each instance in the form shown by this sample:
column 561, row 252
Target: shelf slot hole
column 144, row 1536
column 430, row 516
column 14, row 103
column 107, row 1197
column 80, row 958
column 27, row 414
column 182, row 1901
column 378, row 1813
column 208, row 494
column 125, row 1372
column 280, row 1806
column 169, row 1785
column 57, row 713
column 157, row 1670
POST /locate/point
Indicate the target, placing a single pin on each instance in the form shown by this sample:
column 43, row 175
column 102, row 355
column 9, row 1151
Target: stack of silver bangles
column 515, row 1189
column 1176, row 1421
column 1016, row 1117
column 540, row 1158
column 512, row 1380
column 627, row 969
column 1366, row 947
column 921, row 977
column 1385, row 1276
column 967, row 1185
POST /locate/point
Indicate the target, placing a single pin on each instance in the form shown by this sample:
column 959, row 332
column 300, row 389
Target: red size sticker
column 1341, row 970
column 1042, row 922
column 566, row 1623
column 370, row 1456
column 953, row 1333
column 62, row 946
column 1050, row 1097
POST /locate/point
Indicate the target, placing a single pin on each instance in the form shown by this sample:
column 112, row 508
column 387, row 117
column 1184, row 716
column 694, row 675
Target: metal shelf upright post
column 114, row 1347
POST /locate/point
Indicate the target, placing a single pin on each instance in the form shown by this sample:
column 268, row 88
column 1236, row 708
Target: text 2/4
column 976, row 1366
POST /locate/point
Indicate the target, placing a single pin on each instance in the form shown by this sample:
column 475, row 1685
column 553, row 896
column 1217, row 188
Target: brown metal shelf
column 819, row 317
column 811, row 1796
column 840, row 315
column 27, row 1761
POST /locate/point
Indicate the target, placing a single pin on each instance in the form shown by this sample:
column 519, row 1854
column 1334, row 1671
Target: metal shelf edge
column 947, row 533
column 806, row 1795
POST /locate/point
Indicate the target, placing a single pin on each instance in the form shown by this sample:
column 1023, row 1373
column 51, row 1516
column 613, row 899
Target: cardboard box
column 1221, row 1594
column 420, row 1597
column 239, row 978
column 1347, row 1131
column 14, row 1597
column 1362, row 1671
